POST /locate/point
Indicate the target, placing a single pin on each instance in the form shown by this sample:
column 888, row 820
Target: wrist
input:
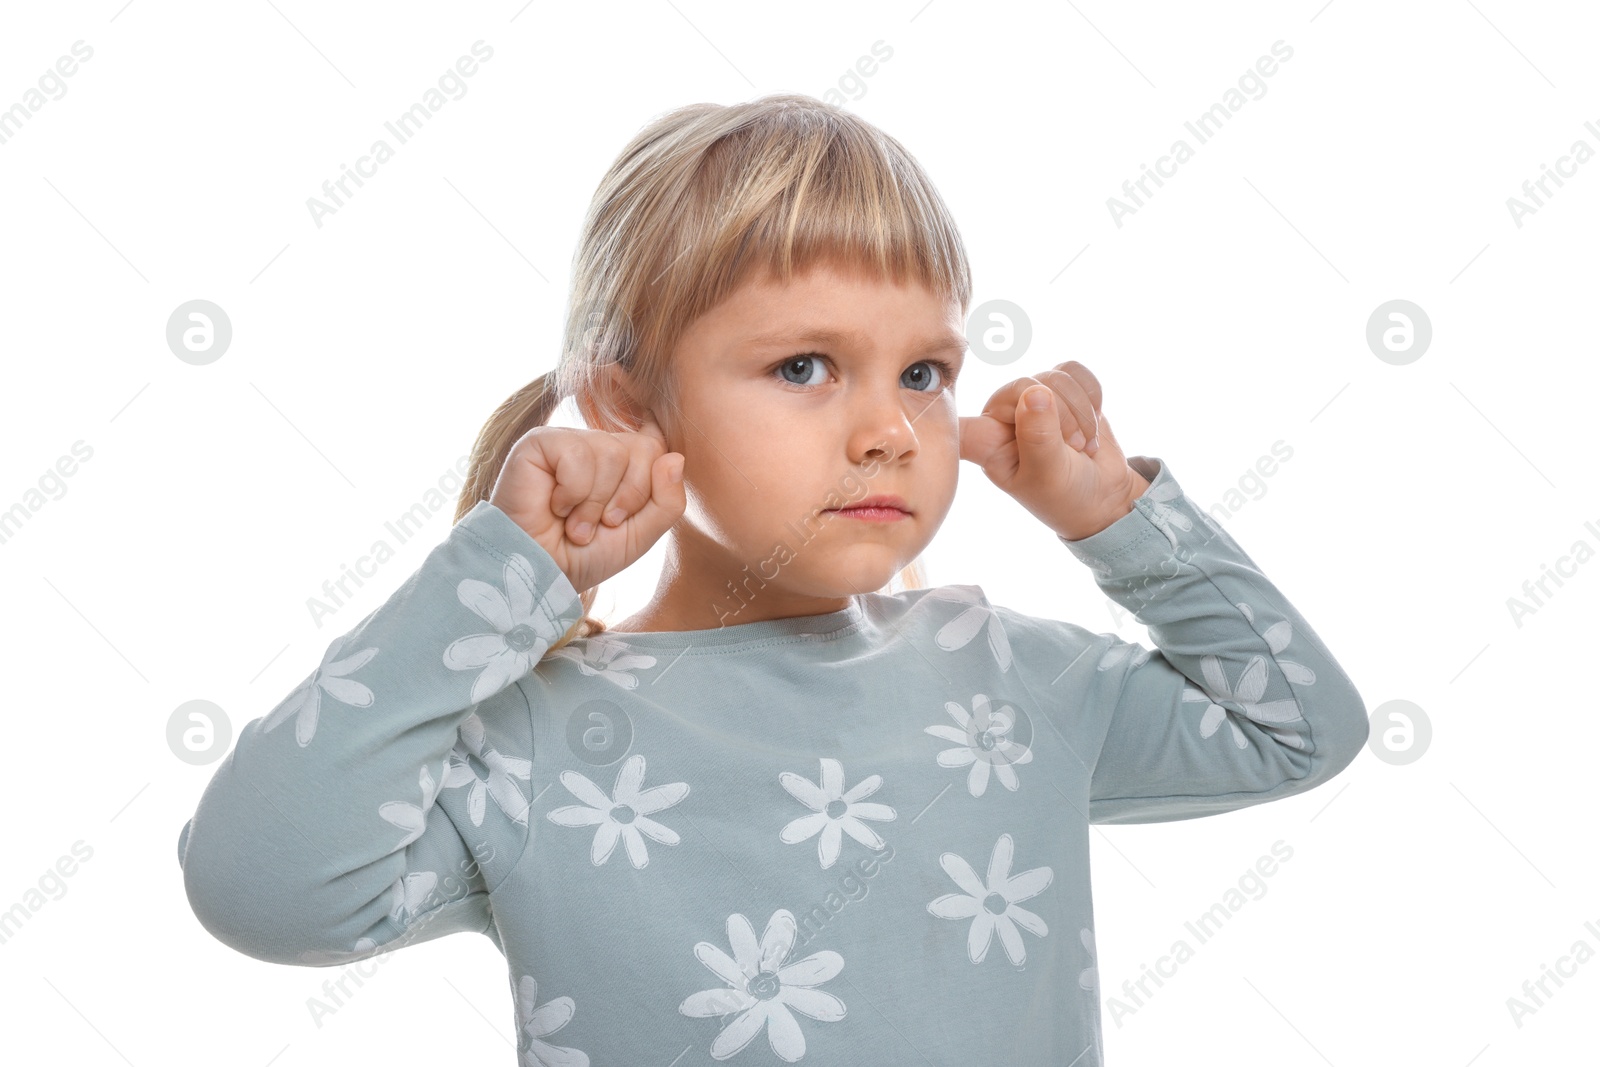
column 1139, row 485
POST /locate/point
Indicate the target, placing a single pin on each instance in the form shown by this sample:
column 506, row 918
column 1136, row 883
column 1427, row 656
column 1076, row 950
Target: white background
column 1227, row 314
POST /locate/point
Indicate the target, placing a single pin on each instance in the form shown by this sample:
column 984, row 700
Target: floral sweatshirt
column 860, row 837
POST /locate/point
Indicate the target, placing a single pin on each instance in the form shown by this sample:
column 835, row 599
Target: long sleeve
column 1239, row 704
column 382, row 800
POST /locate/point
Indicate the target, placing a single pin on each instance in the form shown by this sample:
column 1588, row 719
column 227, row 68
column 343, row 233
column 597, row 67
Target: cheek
column 735, row 491
column 940, row 430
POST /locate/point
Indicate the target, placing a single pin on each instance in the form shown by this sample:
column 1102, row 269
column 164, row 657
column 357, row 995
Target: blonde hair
column 702, row 198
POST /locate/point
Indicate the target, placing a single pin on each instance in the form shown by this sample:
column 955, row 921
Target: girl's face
column 795, row 399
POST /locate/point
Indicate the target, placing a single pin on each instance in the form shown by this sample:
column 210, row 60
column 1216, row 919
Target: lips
column 880, row 500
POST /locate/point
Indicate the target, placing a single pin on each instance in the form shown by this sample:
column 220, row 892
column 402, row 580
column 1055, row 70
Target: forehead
column 824, row 305
column 925, row 342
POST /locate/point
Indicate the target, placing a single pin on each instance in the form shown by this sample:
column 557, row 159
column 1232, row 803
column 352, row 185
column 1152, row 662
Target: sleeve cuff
column 494, row 528
column 1143, row 538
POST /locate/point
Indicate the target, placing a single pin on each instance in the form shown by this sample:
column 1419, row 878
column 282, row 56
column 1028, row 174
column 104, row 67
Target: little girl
column 776, row 814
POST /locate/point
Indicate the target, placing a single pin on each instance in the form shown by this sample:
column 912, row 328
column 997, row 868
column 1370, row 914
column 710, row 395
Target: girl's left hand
column 1063, row 463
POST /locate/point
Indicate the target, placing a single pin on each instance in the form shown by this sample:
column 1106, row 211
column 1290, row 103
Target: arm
column 1239, row 704
column 347, row 820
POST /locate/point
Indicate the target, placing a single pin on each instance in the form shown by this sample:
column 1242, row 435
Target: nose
column 883, row 428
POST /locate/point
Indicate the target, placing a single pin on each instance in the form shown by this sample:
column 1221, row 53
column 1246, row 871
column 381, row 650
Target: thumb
column 667, row 499
column 1041, row 450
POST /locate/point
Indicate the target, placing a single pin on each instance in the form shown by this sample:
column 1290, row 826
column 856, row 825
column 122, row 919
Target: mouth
column 881, row 508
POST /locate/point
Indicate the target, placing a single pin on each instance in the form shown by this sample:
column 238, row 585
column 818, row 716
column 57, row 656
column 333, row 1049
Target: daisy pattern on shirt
column 305, row 703
column 410, row 817
column 620, row 816
column 766, row 992
column 1277, row 637
column 473, row 763
column 1163, row 515
column 525, row 625
column 834, row 812
column 978, row 616
column 607, row 656
column 992, row 905
column 1271, row 714
column 985, row 739
column 534, row 1024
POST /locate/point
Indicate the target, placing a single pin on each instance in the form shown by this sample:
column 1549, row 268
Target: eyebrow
column 948, row 342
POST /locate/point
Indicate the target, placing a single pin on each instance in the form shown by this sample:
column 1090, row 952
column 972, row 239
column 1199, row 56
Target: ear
column 612, row 407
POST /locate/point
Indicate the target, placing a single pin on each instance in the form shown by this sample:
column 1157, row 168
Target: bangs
column 802, row 188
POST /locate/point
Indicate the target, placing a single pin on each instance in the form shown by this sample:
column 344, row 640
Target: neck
column 702, row 588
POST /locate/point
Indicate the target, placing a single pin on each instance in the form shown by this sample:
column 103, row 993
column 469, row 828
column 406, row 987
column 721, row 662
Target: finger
column 1080, row 423
column 667, row 500
column 609, row 459
column 1107, row 439
column 1073, row 414
column 982, row 436
column 1091, row 387
column 1084, row 377
column 635, row 488
column 1041, row 453
column 572, row 468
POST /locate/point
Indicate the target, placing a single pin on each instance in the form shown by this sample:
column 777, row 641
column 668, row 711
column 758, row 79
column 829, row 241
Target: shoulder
column 956, row 613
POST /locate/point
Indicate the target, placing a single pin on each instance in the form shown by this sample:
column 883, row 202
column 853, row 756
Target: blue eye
column 945, row 374
column 920, row 380
column 793, row 361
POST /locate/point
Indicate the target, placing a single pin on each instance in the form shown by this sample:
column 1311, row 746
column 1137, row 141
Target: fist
column 594, row 500
column 1061, row 462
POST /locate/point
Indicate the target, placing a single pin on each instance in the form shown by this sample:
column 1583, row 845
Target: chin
column 844, row 581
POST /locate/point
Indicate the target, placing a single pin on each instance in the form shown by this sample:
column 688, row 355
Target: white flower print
column 607, row 656
column 473, row 763
column 960, row 630
column 761, row 987
column 985, row 737
column 992, row 906
column 409, row 893
column 1163, row 514
column 833, row 813
column 1271, row 714
column 632, row 827
column 1277, row 637
column 525, row 625
column 305, row 702
column 410, row 817
column 538, row 1023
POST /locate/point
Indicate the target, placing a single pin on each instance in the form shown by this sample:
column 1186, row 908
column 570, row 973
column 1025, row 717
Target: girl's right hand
column 626, row 486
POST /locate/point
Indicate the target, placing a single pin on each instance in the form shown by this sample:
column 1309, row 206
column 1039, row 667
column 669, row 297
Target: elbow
column 214, row 886
column 233, row 897
column 1342, row 735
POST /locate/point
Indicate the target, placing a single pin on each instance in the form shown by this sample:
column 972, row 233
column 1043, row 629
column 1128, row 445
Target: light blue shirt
column 853, row 838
